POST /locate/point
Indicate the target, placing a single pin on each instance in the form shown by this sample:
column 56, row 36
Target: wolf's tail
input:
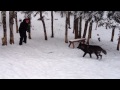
column 104, row 51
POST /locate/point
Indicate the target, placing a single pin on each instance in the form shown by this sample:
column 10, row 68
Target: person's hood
column 24, row 21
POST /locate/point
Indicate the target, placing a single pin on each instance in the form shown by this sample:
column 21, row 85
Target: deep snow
column 53, row 59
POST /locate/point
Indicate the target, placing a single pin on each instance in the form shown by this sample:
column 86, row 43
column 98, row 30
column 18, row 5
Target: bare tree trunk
column 69, row 19
column 61, row 13
column 41, row 18
column 26, row 15
column 76, row 28
column 29, row 33
column 4, row 39
column 1, row 18
column 74, row 23
column 96, row 25
column 52, row 24
column 80, row 27
column 11, row 15
column 113, row 32
column 66, row 28
column 15, row 14
column 118, row 45
column 85, row 29
column 91, row 24
column 89, row 33
column 106, row 26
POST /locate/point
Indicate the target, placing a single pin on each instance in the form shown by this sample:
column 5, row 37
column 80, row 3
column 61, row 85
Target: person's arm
column 20, row 27
column 28, row 28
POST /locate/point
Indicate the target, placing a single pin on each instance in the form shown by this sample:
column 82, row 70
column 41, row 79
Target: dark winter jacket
column 23, row 27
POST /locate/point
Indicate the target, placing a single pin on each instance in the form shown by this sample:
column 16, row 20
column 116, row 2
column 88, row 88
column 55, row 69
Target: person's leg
column 25, row 38
column 21, row 39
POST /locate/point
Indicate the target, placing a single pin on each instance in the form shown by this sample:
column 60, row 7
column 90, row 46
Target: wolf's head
column 81, row 46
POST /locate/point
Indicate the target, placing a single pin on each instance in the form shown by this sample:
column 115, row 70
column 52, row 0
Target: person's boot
column 25, row 40
column 20, row 43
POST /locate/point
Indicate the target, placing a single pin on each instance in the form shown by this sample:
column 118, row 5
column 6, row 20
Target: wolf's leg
column 84, row 54
column 90, row 55
column 100, row 56
column 96, row 55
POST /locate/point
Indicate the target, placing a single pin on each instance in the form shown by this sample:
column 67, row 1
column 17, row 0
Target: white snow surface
column 53, row 59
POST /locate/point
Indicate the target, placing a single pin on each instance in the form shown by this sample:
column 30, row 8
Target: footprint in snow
column 50, row 52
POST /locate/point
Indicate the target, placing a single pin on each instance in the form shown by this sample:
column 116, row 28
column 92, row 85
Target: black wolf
column 90, row 49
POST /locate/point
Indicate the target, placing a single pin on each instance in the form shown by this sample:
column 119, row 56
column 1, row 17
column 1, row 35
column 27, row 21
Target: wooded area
column 111, row 21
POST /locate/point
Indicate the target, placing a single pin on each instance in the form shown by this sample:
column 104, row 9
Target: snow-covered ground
column 53, row 59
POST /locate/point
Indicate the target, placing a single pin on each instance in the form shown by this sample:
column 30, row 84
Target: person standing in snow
column 24, row 26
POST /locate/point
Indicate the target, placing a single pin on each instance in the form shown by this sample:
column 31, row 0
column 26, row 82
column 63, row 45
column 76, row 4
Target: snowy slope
column 53, row 58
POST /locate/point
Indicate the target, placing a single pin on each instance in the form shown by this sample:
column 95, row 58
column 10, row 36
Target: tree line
column 107, row 19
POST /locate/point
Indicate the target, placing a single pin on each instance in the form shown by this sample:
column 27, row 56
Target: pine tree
column 98, row 16
column 112, row 21
column 115, row 16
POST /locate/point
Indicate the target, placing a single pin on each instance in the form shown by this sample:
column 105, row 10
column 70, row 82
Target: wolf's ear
column 79, row 45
